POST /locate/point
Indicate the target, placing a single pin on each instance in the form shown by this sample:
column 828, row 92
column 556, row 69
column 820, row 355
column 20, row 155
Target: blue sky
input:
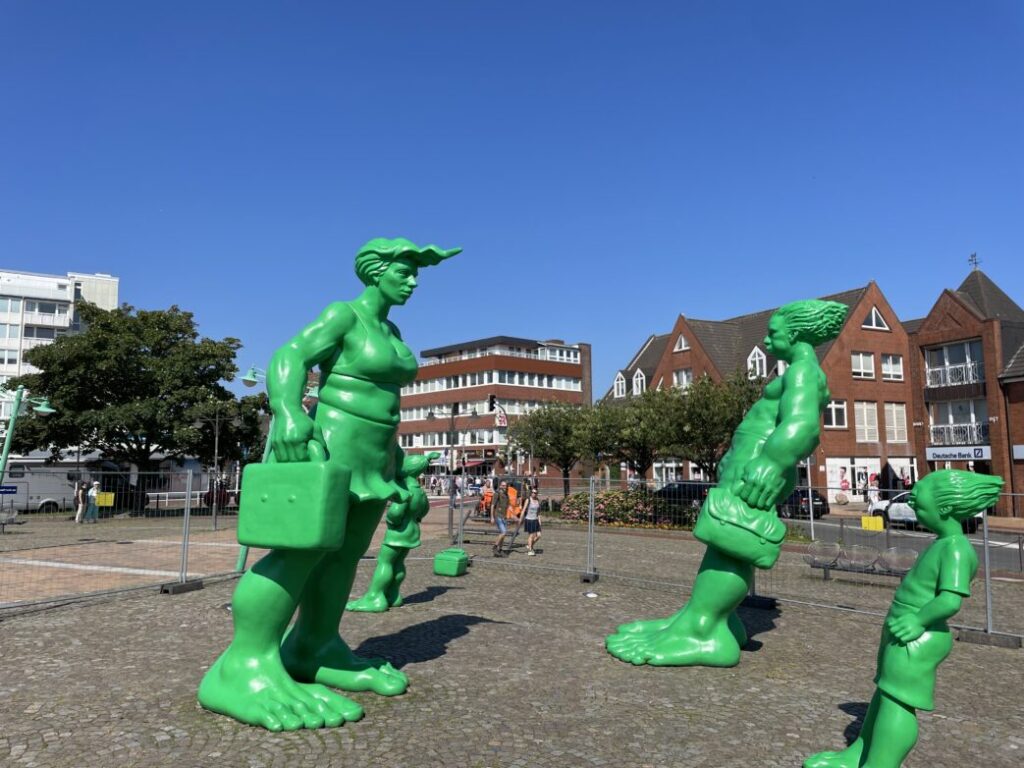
column 605, row 165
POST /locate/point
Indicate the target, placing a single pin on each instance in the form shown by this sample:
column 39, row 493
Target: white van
column 39, row 488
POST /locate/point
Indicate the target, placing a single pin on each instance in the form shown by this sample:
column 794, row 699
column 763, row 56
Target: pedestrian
column 499, row 506
column 532, row 522
column 81, row 501
column 92, row 509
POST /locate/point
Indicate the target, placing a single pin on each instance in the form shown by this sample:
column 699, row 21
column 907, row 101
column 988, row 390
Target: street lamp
column 198, row 424
column 39, row 404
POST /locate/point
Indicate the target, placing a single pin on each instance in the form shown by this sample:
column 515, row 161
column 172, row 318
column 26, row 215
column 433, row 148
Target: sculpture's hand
column 291, row 435
column 395, row 513
column 763, row 481
column 906, row 628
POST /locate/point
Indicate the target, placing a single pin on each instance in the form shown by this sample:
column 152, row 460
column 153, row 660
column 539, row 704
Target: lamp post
column 216, row 420
column 39, row 404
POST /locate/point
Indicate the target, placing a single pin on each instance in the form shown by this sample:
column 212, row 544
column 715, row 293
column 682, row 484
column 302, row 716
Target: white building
column 36, row 309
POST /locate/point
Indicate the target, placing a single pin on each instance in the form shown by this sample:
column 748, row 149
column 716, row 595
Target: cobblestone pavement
column 507, row 669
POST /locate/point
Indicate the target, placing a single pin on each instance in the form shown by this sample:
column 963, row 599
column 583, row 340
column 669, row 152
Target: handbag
column 296, row 504
column 750, row 535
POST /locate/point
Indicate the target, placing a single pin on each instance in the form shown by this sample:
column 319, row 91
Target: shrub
column 633, row 507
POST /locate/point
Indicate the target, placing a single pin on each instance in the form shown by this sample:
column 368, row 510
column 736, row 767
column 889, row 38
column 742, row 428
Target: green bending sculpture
column 264, row 677
column 403, row 533
column 738, row 521
column 915, row 636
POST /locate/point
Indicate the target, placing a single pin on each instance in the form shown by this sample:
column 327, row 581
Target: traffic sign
column 8, row 490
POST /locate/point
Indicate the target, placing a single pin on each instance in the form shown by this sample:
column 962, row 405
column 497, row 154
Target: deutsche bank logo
column 979, row 453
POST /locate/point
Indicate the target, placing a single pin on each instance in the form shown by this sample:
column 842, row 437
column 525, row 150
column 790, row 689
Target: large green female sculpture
column 259, row 679
column 915, row 637
column 738, row 520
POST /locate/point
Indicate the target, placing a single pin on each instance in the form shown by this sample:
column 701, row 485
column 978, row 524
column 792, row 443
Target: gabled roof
column 911, row 326
column 646, row 359
column 729, row 342
column 988, row 299
column 1013, row 350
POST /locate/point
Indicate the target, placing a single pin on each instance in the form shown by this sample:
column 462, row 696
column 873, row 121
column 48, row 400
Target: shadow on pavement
column 757, row 621
column 420, row 642
column 426, row 595
column 858, row 710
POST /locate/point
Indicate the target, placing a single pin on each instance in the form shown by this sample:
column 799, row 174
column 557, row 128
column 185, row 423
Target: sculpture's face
column 921, row 501
column 779, row 340
column 398, row 281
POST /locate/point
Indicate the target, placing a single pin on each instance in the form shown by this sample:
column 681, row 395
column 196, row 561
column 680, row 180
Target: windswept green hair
column 814, row 321
column 374, row 257
column 960, row 494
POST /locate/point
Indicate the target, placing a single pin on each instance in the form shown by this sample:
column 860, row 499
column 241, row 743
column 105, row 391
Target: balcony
column 48, row 320
column 959, row 434
column 954, row 375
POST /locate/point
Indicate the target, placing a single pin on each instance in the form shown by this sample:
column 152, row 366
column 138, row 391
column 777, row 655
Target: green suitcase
column 451, row 562
column 294, row 505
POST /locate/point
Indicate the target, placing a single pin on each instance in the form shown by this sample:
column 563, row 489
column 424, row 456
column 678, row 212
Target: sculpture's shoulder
column 337, row 316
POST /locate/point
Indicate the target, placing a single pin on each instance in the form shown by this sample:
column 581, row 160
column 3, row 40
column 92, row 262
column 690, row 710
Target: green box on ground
column 451, row 562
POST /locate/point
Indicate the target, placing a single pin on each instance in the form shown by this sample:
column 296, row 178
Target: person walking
column 499, row 507
column 92, row 509
column 532, row 522
column 81, row 501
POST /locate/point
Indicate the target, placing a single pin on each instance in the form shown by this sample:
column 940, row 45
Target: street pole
column 15, row 406
column 451, row 471
column 216, row 457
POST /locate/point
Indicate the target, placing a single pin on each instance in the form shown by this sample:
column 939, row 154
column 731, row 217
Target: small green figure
column 403, row 533
column 915, row 636
column 738, row 521
column 279, row 682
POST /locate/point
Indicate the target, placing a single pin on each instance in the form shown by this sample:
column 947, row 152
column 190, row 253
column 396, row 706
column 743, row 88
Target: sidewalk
column 507, row 669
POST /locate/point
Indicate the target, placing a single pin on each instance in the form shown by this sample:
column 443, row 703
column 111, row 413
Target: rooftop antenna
column 974, row 261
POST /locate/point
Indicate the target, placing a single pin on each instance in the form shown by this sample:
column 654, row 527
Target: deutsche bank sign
column 959, row 453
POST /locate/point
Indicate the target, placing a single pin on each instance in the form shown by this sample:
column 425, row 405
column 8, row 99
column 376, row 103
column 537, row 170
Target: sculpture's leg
column 849, row 757
column 893, row 734
column 393, row 592
column 376, row 599
column 704, row 632
column 313, row 650
column 249, row 682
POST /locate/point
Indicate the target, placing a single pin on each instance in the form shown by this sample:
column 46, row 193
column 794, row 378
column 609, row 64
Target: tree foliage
column 553, row 434
column 132, row 384
column 639, row 429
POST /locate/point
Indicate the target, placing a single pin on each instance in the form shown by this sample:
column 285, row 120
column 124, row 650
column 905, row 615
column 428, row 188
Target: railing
column 959, row 434
column 52, row 321
column 954, row 375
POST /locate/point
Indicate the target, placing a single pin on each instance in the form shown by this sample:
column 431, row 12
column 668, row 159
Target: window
column 639, row 382
column 835, row 414
column 682, row 378
column 955, row 364
column 866, row 415
column 780, row 367
column 875, row 321
column 620, row 386
column 892, row 367
column 757, row 364
column 9, row 331
column 38, row 332
column 681, row 344
column 863, row 365
column 896, row 422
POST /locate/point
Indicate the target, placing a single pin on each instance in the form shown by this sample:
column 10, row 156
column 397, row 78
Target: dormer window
column 620, row 386
column 757, row 364
column 639, row 382
column 681, row 344
column 780, row 368
column 875, row 321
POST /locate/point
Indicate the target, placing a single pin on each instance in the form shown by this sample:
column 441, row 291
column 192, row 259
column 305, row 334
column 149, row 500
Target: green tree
column 552, row 435
column 705, row 416
column 131, row 385
column 637, row 430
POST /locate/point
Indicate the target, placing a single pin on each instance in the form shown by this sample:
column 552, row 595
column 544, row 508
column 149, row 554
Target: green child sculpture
column 403, row 534
column 738, row 521
column 264, row 677
column 915, row 636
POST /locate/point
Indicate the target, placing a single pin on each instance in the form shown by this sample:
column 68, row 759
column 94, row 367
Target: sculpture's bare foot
column 644, row 626
column 848, row 758
column 677, row 647
column 371, row 602
column 335, row 665
column 257, row 690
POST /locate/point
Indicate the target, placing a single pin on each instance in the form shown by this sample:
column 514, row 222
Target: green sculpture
column 738, row 521
column 915, row 636
column 403, row 533
column 264, row 677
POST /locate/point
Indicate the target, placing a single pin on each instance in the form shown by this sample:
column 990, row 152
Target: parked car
column 685, row 493
column 897, row 511
column 795, row 505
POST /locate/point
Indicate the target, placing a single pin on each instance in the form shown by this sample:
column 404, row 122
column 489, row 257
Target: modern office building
column 448, row 407
column 35, row 309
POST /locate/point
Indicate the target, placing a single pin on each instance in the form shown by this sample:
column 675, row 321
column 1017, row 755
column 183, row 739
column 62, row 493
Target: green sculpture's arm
column 286, row 378
column 911, row 626
column 795, row 436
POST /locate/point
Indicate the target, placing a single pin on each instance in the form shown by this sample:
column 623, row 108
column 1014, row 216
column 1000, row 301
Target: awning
column 473, row 463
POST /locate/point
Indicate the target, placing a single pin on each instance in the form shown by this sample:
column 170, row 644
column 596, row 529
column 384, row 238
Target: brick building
column 946, row 390
column 453, row 392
